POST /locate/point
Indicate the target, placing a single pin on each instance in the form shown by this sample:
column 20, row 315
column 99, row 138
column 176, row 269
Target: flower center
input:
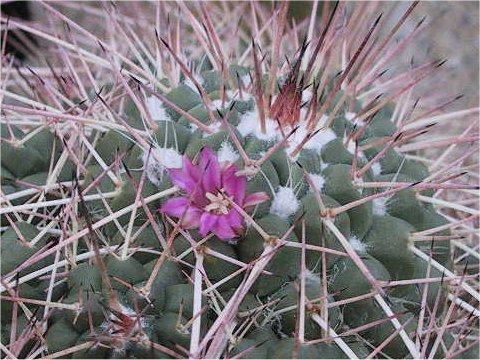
column 219, row 203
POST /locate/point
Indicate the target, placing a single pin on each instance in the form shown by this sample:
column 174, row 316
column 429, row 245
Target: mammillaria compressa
column 234, row 180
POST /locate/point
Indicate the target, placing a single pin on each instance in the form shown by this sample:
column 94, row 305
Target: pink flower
column 210, row 187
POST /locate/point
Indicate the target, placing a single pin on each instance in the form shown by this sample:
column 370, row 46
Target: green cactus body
column 394, row 253
column 379, row 231
column 61, row 335
column 171, row 330
column 285, row 349
column 213, row 206
column 284, row 263
column 316, row 233
column 289, row 298
column 344, row 192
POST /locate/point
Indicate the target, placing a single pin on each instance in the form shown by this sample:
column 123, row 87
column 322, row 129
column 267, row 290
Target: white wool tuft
column 303, row 115
column 350, row 115
column 380, row 206
column 215, row 127
column 217, row 104
column 351, row 150
column 159, row 160
column 235, row 95
column 192, row 127
column 318, row 181
column 322, row 121
column 357, row 245
column 190, row 83
column 321, row 138
column 245, row 97
column 306, row 95
column 246, row 80
column 361, row 156
column 250, row 125
column 351, row 147
column 156, row 109
column 376, row 169
column 227, row 153
column 285, row 203
column 311, row 277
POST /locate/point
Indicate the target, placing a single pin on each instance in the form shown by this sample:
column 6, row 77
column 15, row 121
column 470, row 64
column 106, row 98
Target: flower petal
column 255, row 199
column 181, row 208
column 191, row 170
column 191, row 218
column 234, row 185
column 207, row 222
column 189, row 179
column 217, row 224
column 183, row 179
column 234, row 219
column 210, row 170
column 175, row 207
column 222, row 229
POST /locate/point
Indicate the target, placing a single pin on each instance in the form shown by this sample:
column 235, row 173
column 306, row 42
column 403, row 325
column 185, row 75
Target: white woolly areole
column 351, row 147
column 227, row 153
column 322, row 138
column 231, row 94
column 246, row 80
column 215, row 127
column 190, row 83
column 350, row 115
column 285, row 203
column 376, row 169
column 357, row 245
column 318, row 181
column 351, row 150
column 159, row 160
column 379, row 206
column 306, row 95
column 156, row 109
column 317, row 142
column 250, row 125
column 311, row 277
column 235, row 95
column 217, row 104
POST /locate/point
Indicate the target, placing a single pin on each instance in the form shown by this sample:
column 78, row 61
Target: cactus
column 168, row 201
